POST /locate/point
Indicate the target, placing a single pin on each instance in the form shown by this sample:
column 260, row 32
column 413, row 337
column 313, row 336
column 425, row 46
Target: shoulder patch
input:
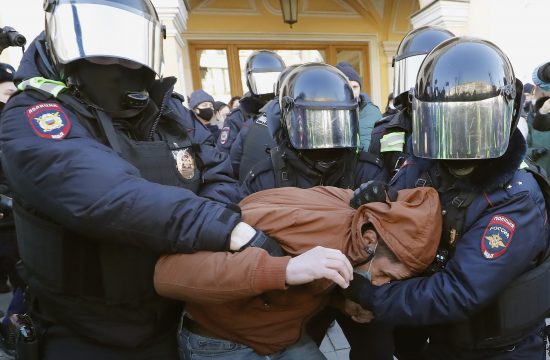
column 497, row 236
column 48, row 120
column 261, row 120
column 224, row 135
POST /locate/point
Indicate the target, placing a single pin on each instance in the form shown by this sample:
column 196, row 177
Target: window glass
column 214, row 74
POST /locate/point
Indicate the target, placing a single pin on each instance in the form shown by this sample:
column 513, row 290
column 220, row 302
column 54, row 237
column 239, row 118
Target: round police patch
column 497, row 236
column 224, row 135
column 185, row 163
column 48, row 120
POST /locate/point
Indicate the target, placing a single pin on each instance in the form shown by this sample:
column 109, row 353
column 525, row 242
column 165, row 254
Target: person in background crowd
column 201, row 104
column 110, row 171
column 389, row 240
column 234, row 102
column 221, row 110
column 369, row 113
column 483, row 298
column 262, row 70
column 536, row 107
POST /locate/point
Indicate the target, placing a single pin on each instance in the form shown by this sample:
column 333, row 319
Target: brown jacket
column 242, row 296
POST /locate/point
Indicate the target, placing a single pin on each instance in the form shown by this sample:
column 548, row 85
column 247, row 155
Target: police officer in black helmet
column 487, row 297
column 390, row 134
column 109, row 171
column 316, row 143
column 262, row 70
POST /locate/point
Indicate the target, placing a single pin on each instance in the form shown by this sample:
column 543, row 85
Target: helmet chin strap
column 460, row 168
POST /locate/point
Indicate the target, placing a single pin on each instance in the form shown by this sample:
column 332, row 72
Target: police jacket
column 369, row 114
column 286, row 167
column 249, row 106
column 247, row 150
column 505, row 234
column 95, row 219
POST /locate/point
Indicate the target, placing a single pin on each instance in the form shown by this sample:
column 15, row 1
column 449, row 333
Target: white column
column 173, row 14
column 453, row 15
column 390, row 49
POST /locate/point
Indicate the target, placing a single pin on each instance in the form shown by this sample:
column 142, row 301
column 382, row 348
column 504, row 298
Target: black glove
column 360, row 291
column 263, row 241
column 372, row 191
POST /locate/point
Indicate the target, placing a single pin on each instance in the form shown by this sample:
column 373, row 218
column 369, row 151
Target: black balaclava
column 107, row 86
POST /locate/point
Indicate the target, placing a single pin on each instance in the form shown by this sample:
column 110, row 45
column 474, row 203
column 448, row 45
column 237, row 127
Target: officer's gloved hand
column 360, row 291
column 372, row 191
column 261, row 240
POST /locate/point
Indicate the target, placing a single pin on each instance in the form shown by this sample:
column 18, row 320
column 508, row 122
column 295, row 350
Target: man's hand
column 372, row 191
column 319, row 263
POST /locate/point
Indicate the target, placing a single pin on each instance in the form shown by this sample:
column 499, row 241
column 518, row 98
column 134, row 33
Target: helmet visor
column 461, row 130
column 103, row 29
column 405, row 72
column 263, row 82
column 322, row 128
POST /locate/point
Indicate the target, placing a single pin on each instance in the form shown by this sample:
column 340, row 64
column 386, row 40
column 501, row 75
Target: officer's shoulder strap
column 43, row 85
column 284, row 175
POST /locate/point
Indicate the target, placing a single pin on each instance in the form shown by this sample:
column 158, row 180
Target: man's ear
column 370, row 236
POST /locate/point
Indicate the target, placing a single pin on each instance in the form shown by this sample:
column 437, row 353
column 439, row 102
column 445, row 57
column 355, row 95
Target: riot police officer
column 485, row 301
column 109, row 171
column 390, row 134
column 262, row 70
column 316, row 143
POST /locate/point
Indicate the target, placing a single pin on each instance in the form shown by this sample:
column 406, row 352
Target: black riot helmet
column 465, row 104
column 262, row 70
column 412, row 50
column 318, row 108
column 91, row 30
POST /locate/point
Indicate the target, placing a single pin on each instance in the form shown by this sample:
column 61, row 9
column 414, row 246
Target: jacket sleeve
column 218, row 180
column 87, row 187
column 229, row 276
column 470, row 279
column 368, row 116
column 231, row 127
column 236, row 152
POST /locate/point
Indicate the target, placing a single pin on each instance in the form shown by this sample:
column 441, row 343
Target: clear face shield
column 461, row 130
column 314, row 127
column 101, row 29
column 263, row 82
column 404, row 73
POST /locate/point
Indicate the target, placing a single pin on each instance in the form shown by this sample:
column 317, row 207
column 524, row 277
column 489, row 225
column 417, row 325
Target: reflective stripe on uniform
column 523, row 165
column 50, row 86
column 392, row 142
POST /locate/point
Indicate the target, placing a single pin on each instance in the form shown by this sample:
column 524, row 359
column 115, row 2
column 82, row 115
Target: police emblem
column 497, row 236
column 185, row 163
column 224, row 135
column 48, row 120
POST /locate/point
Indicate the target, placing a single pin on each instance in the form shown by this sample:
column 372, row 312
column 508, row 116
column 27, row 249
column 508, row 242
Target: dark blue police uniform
column 99, row 204
column 505, row 234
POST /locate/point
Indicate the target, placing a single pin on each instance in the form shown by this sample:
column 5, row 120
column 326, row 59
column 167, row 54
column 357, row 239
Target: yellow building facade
column 220, row 34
